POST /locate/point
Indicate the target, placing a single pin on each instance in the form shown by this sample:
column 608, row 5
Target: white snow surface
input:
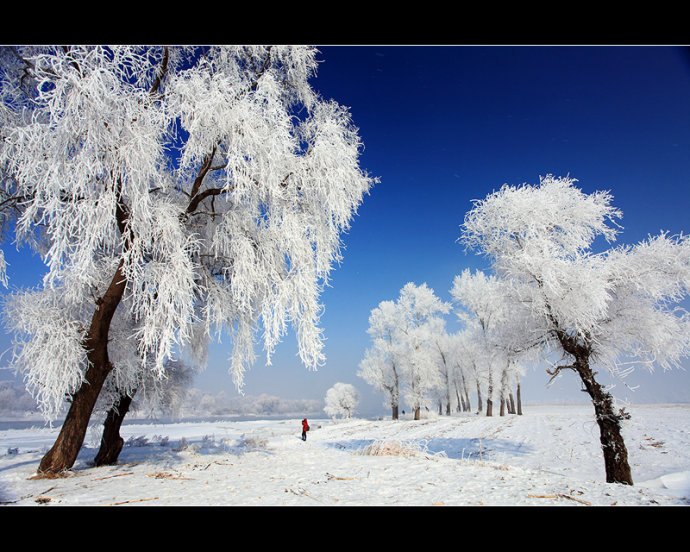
column 549, row 456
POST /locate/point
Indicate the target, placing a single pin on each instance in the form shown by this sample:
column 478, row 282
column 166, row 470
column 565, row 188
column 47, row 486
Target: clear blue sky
column 445, row 125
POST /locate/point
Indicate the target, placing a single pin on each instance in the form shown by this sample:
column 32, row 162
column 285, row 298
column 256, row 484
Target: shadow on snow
column 455, row 449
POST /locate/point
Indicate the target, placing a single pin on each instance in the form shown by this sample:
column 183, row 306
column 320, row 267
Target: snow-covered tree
column 341, row 400
column 403, row 358
column 380, row 365
column 492, row 355
column 467, row 364
column 208, row 187
column 445, row 350
column 595, row 309
column 419, row 322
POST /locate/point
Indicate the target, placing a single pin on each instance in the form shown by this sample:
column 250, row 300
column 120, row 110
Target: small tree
column 341, row 400
column 592, row 308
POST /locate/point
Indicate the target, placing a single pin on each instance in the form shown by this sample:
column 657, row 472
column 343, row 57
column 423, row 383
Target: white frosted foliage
column 217, row 178
column 620, row 304
column 341, row 400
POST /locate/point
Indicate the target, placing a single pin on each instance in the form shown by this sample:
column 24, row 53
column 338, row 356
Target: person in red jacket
column 305, row 428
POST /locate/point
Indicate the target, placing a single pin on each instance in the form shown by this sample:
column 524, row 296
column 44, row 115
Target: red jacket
column 305, row 425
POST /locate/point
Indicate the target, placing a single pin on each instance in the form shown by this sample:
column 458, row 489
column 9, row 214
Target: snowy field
column 550, row 456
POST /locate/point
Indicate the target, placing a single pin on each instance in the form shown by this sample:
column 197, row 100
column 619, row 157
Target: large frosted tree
column 595, row 309
column 208, row 187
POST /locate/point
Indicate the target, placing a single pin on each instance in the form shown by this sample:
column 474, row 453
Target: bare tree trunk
column 66, row 448
column 395, row 393
column 416, row 412
column 519, row 398
column 489, row 395
column 612, row 444
column 479, row 397
column 468, row 405
column 511, row 404
column 503, row 407
column 111, row 441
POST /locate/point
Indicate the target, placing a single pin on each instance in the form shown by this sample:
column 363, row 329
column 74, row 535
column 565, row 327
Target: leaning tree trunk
column 111, row 441
column 64, row 452
column 609, row 421
column 612, row 444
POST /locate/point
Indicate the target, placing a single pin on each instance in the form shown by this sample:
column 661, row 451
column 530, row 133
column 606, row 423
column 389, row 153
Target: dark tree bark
column 489, row 400
column 519, row 399
column 609, row 421
column 64, row 452
column 111, row 441
column 479, row 397
column 612, row 444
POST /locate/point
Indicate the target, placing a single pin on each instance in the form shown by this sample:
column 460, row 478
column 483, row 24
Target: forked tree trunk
column 111, row 441
column 64, row 452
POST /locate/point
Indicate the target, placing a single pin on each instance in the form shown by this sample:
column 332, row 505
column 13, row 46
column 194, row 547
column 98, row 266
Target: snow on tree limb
column 217, row 176
column 621, row 304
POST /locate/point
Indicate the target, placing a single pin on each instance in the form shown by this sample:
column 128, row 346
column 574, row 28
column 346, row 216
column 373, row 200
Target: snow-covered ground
column 548, row 456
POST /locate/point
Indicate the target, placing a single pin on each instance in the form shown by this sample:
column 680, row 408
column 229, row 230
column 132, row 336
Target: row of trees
column 550, row 295
column 175, row 194
column 415, row 359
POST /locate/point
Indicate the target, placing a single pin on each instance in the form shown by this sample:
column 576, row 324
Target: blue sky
column 443, row 125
